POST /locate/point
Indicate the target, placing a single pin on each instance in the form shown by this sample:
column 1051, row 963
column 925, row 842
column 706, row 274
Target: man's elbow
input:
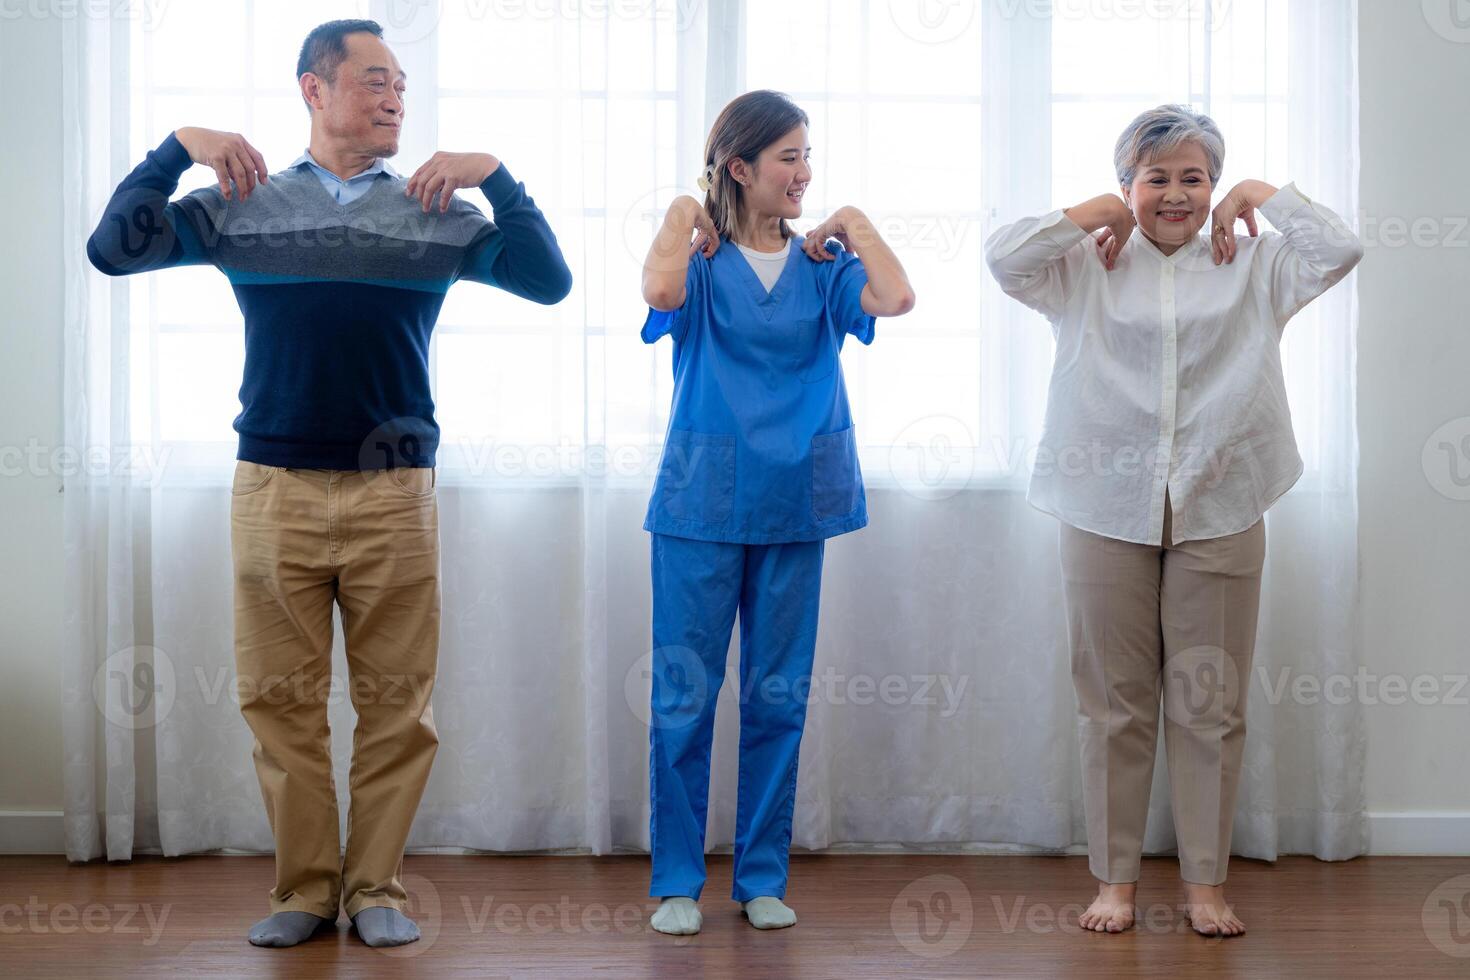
column 94, row 255
column 558, row 286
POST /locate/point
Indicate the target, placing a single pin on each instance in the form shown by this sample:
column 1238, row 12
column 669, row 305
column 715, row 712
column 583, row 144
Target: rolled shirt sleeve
column 1313, row 252
column 1037, row 261
column 844, row 295
column 676, row 322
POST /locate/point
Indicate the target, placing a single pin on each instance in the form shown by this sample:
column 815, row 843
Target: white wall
column 30, row 409
column 1414, row 375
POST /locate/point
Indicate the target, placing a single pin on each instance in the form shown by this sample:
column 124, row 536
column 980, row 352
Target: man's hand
column 231, row 156
column 445, row 173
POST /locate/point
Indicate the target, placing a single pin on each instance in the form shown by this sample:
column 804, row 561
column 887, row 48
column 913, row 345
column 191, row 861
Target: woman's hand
column 1110, row 217
column 1240, row 202
column 706, row 236
column 838, row 225
column 888, row 292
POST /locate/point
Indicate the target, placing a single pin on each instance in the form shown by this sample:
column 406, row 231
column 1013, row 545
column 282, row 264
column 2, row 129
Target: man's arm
column 518, row 252
column 141, row 230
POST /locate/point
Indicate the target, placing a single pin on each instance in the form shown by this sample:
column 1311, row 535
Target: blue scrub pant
column 697, row 588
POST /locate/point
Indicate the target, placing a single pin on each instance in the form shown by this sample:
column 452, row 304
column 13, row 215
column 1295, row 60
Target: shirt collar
column 1180, row 253
column 380, row 166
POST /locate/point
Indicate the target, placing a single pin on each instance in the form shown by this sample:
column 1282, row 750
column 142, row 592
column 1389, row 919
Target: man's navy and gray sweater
column 339, row 300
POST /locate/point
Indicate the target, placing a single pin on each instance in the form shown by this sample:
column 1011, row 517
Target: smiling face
column 361, row 108
column 775, row 185
column 1170, row 196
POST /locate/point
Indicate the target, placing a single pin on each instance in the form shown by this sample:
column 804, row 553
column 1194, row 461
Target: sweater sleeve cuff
column 172, row 156
column 499, row 187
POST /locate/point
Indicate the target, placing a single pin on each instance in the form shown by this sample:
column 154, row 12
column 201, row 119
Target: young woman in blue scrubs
column 759, row 467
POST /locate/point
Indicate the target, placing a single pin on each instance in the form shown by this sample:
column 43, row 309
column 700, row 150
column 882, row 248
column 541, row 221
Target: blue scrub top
column 760, row 446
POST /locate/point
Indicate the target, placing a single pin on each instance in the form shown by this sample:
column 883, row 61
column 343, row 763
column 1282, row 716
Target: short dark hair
column 325, row 48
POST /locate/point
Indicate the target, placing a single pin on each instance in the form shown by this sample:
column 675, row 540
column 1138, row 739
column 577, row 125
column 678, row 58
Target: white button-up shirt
column 1167, row 375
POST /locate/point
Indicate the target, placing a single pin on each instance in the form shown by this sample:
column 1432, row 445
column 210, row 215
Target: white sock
column 677, row 916
column 769, row 912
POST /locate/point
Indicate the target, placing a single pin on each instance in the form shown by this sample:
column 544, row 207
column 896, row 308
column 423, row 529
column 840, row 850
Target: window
column 940, row 121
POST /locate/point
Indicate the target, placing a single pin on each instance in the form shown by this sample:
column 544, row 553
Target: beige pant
column 303, row 539
column 1181, row 618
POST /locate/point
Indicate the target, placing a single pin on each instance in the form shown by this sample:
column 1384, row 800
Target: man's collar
column 380, row 166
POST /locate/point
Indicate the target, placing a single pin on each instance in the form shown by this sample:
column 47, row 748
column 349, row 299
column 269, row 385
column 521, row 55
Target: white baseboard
column 1430, row 833
column 31, row 832
column 1415, row 832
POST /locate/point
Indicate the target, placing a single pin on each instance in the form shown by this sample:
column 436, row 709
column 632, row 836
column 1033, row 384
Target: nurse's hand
column 836, row 226
column 444, row 173
column 706, row 235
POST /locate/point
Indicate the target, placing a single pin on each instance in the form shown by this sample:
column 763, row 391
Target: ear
column 311, row 89
column 739, row 170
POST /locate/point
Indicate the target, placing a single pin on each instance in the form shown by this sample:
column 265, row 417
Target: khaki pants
column 1177, row 618
column 368, row 541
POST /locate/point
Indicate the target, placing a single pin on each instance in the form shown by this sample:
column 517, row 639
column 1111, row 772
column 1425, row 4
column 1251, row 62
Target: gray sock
column 382, row 926
column 286, row 929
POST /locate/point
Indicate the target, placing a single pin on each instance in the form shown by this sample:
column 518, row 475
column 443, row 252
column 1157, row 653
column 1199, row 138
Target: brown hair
column 745, row 127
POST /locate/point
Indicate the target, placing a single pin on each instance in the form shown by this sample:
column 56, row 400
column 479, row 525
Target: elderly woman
column 1167, row 436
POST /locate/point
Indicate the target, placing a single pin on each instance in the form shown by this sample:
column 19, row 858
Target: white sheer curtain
column 942, row 711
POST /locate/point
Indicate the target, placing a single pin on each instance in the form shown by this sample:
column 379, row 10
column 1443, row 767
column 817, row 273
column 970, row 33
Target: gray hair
column 1158, row 132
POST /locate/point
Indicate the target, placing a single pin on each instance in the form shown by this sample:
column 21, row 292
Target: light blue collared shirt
column 349, row 190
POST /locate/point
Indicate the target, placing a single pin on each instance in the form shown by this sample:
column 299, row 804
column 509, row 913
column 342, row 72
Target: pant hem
column 328, row 912
column 377, row 902
column 1195, row 877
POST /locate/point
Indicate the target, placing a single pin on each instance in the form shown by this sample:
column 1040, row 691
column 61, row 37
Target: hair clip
column 706, row 178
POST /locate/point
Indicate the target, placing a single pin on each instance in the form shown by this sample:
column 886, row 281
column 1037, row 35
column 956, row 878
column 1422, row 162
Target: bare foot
column 1112, row 910
column 1205, row 907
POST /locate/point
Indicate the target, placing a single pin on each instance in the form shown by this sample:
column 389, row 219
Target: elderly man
column 340, row 267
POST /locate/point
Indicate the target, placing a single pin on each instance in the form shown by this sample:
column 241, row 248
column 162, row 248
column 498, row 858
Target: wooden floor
column 861, row 916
